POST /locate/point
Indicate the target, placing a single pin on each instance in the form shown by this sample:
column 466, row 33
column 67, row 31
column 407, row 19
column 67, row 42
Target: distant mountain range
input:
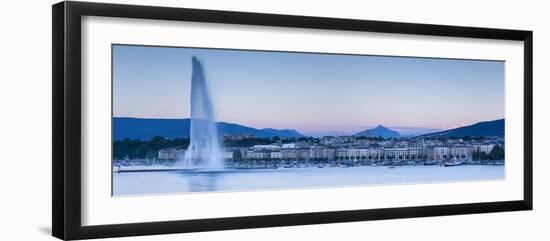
column 414, row 131
column 328, row 133
column 282, row 133
column 379, row 131
column 144, row 129
column 485, row 128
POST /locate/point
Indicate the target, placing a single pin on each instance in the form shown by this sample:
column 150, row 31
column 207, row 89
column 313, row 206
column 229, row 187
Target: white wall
column 25, row 123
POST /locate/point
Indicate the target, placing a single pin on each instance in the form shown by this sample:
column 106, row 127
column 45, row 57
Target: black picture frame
column 66, row 158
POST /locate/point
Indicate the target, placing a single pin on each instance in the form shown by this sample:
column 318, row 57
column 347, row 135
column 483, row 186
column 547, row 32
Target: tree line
column 148, row 149
column 141, row 149
column 497, row 153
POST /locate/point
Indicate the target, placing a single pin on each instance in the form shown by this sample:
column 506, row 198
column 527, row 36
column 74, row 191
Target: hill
column 282, row 133
column 379, row 131
column 144, row 129
column 485, row 128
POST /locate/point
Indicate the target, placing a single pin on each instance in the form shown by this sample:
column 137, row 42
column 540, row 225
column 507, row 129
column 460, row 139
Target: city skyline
column 310, row 92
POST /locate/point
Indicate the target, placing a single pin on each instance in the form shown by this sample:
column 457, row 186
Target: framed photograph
column 171, row 120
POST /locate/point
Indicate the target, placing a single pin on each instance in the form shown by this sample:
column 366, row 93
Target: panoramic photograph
column 188, row 120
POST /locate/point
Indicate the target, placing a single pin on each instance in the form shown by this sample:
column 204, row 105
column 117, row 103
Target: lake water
column 168, row 182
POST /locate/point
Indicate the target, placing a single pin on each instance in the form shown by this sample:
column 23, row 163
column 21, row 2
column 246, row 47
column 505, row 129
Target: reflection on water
column 201, row 182
column 157, row 182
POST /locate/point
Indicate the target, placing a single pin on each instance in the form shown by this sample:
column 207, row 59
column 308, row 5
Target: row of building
column 178, row 153
column 264, row 152
column 296, row 151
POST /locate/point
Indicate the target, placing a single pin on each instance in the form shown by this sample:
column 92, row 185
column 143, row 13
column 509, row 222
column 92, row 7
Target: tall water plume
column 204, row 148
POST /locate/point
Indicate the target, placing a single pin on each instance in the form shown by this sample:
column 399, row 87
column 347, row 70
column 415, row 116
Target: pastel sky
column 309, row 92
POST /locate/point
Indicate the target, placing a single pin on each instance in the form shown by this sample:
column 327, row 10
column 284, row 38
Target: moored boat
column 452, row 163
column 430, row 163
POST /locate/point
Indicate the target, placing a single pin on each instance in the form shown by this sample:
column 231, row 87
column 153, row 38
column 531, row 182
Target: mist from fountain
column 204, row 149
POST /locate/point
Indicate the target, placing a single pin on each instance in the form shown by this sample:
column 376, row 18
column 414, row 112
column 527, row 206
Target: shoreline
column 166, row 168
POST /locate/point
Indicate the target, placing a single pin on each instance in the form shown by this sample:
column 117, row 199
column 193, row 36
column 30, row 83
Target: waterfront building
column 374, row 153
column 341, row 154
column 415, row 151
column 441, row 152
column 487, row 148
column 395, row 152
column 289, row 154
column 170, row 153
column 248, row 154
column 352, row 154
column 363, row 154
column 430, row 153
column 328, row 154
column 260, row 155
column 461, row 152
column 275, row 155
column 303, row 153
column 227, row 154
column 357, row 153
column 316, row 152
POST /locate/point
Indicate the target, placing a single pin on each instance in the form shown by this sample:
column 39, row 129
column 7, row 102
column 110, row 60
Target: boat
column 452, row 163
column 430, row 163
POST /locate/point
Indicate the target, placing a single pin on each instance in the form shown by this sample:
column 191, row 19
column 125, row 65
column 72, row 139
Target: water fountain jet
column 204, row 149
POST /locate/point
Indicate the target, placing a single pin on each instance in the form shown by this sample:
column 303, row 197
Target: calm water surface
column 164, row 182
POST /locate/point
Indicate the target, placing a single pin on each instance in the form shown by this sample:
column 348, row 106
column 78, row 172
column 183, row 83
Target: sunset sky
column 309, row 92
